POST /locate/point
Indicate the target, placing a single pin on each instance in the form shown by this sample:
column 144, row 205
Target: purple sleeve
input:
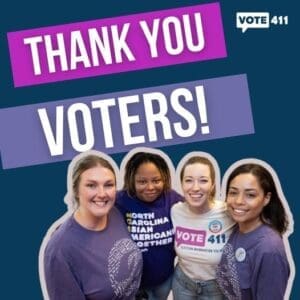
column 174, row 197
column 273, row 276
column 60, row 281
column 122, row 200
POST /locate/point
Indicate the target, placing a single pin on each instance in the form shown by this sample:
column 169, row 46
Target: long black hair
column 273, row 213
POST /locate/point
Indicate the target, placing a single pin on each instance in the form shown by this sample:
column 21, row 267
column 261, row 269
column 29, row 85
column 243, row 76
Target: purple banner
column 152, row 117
column 115, row 45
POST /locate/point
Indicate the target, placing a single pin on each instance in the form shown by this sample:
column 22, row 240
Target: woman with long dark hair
column 254, row 264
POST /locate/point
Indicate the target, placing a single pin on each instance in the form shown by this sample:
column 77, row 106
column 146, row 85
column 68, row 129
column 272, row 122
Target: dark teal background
column 32, row 197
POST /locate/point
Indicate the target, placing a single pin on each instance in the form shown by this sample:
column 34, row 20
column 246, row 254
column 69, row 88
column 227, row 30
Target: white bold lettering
column 151, row 36
column 120, row 43
column 100, row 45
column 87, row 126
column 160, row 116
column 180, row 110
column 127, row 120
column 33, row 42
column 55, row 144
column 103, row 106
column 177, row 36
column 81, row 57
column 60, row 52
column 194, row 47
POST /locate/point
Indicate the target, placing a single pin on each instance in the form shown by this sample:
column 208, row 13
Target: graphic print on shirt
column 149, row 230
column 210, row 240
column 227, row 275
column 186, row 236
column 124, row 286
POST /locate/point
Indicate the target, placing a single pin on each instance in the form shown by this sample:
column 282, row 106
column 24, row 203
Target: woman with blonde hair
column 91, row 255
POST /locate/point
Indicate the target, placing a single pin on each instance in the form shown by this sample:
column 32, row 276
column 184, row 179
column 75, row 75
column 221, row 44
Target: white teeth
column 100, row 203
column 239, row 210
column 196, row 196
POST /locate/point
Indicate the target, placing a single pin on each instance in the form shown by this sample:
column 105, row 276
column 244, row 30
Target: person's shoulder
column 173, row 193
column 269, row 249
column 121, row 194
column 123, row 201
column 219, row 208
column 219, row 205
column 60, row 239
column 269, row 240
column 178, row 207
column 116, row 213
column 122, row 197
column 172, row 196
column 220, row 212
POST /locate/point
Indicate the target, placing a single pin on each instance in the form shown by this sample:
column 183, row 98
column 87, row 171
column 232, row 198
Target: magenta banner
column 118, row 44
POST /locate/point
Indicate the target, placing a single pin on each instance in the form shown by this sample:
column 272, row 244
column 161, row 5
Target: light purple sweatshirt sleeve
column 61, row 282
column 273, row 275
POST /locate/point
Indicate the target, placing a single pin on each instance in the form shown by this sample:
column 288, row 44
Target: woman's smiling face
column 197, row 186
column 96, row 192
column 149, row 183
column 246, row 200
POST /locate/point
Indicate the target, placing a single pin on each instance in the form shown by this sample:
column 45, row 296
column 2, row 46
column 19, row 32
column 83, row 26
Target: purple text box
column 227, row 110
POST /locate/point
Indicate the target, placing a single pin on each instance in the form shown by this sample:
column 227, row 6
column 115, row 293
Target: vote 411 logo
column 258, row 20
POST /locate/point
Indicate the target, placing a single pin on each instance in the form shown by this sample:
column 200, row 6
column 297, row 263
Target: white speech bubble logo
column 245, row 20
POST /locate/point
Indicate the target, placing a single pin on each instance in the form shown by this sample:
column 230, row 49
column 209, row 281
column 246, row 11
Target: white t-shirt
column 200, row 238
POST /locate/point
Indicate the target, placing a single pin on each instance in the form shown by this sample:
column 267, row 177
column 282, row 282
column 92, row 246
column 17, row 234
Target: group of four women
column 123, row 244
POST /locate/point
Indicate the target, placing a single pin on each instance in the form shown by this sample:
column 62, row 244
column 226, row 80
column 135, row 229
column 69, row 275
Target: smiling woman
column 94, row 190
column 145, row 202
column 202, row 227
column 90, row 255
column 255, row 251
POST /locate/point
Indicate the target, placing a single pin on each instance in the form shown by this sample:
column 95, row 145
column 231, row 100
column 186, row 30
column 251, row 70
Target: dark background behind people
column 31, row 196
